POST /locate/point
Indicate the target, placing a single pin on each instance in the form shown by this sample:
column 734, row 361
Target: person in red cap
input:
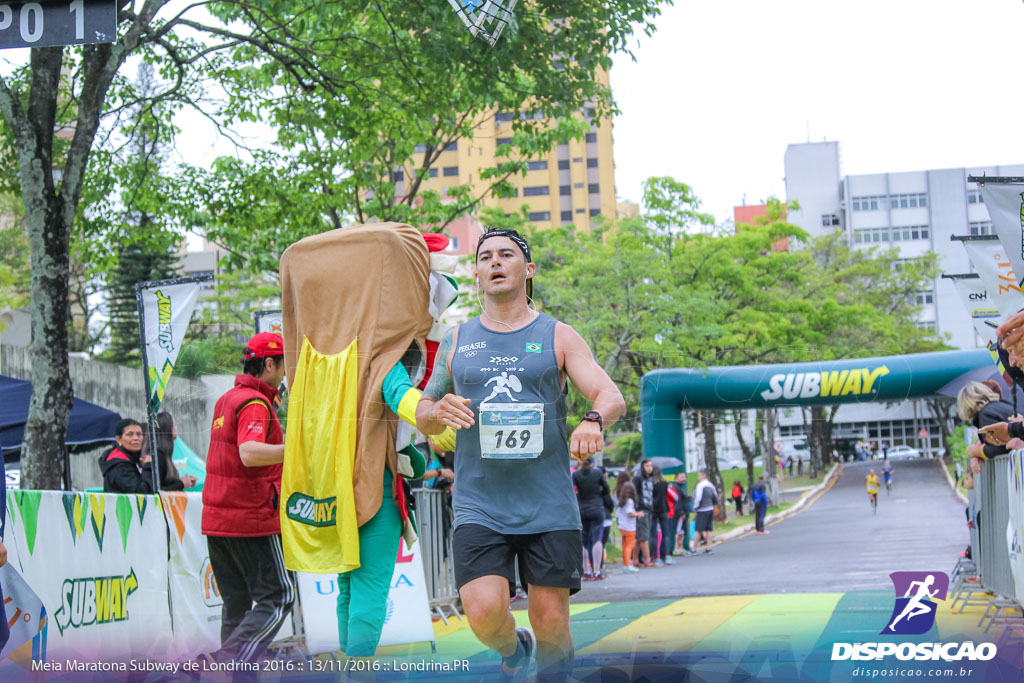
column 240, row 505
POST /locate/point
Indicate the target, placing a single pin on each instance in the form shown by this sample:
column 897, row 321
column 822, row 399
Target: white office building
column 915, row 212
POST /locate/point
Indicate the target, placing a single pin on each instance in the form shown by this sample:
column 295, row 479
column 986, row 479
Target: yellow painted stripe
column 950, row 624
column 775, row 622
column 677, row 627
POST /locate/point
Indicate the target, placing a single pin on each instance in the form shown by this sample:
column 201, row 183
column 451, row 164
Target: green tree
column 367, row 66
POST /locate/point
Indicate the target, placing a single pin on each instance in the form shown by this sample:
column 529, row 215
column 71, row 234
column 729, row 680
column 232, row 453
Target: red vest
column 240, row 500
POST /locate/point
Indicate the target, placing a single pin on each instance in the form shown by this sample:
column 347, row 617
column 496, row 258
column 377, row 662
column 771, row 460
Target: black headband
column 512, row 235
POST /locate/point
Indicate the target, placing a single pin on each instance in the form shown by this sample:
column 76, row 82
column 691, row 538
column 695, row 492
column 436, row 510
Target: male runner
column 515, row 501
column 871, row 481
column 887, row 475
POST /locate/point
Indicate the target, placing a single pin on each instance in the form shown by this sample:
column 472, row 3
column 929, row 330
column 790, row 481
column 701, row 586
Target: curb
column 952, row 484
column 804, row 501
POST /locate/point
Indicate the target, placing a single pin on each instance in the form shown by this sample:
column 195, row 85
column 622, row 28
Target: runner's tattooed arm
column 441, row 378
column 439, row 407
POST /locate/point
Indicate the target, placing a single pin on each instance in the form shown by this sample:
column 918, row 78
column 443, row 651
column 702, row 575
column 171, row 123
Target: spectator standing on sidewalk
column 759, row 495
column 661, row 545
column 627, row 516
column 644, row 485
column 737, row 497
column 681, row 515
column 591, row 490
column 706, row 498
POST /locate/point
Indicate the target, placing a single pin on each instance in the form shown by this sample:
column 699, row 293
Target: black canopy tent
column 89, row 426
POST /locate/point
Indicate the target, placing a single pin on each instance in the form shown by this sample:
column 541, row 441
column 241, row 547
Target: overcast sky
column 723, row 86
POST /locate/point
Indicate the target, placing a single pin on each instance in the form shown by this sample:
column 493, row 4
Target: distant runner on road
column 887, row 474
column 871, row 482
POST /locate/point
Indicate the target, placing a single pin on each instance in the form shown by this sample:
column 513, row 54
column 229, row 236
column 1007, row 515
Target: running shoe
column 691, row 553
column 630, row 570
column 659, row 563
column 515, row 668
column 669, row 560
column 587, row 576
column 707, row 551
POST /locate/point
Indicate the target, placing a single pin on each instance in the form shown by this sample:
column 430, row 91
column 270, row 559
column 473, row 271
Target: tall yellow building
column 571, row 184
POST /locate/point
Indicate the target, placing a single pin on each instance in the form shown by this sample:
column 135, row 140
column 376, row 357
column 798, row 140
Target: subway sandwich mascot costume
column 359, row 306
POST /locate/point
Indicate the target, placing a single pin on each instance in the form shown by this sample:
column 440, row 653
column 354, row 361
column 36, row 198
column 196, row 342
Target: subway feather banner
column 165, row 308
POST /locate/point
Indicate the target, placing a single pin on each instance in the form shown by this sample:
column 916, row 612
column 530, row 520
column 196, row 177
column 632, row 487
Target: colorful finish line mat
column 790, row 637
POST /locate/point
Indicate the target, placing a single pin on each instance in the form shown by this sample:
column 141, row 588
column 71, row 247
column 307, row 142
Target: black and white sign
column 57, row 22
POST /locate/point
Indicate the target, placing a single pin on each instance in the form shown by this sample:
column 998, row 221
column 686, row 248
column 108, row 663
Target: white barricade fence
column 124, row 577
column 98, row 563
column 195, row 599
column 1015, row 523
column 408, row 613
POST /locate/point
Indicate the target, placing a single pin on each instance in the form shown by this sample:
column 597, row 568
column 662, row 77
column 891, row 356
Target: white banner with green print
column 123, row 577
column 98, row 564
column 167, row 308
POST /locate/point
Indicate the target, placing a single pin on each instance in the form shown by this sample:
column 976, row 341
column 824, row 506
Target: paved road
column 834, row 545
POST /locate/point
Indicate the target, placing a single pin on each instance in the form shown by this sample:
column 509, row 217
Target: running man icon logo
column 914, row 613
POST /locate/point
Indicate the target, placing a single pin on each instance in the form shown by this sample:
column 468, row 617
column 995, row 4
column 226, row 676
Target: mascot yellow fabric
column 369, row 283
column 319, row 507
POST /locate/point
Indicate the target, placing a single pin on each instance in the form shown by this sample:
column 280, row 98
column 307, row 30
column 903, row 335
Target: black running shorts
column 551, row 559
column 705, row 520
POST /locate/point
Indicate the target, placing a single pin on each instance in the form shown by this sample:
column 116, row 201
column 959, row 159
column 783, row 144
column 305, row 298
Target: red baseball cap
column 264, row 345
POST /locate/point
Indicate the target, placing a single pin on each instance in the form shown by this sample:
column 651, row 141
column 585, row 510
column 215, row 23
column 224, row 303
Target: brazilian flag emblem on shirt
column 533, row 347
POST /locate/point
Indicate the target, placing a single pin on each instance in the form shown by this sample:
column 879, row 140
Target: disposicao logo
column 914, row 614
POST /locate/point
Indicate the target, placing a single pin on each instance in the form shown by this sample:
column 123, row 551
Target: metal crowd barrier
column 991, row 509
column 434, row 519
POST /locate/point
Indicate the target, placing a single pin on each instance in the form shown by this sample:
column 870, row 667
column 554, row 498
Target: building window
column 592, row 162
column 589, row 112
column 871, row 203
column 579, row 210
column 536, row 191
column 980, row 227
column 451, row 170
column 536, row 165
column 926, row 325
column 901, row 263
column 453, row 244
column 908, row 201
column 564, row 190
column 567, row 215
column 578, row 186
column 871, row 235
column 829, row 219
column 432, row 172
column 420, row 148
column 503, row 141
column 924, row 298
column 910, row 232
column 563, row 165
column 536, row 216
column 504, row 117
column 397, row 176
column 974, row 196
column 452, row 146
column 594, row 188
column 591, row 137
column 595, row 212
column 577, row 160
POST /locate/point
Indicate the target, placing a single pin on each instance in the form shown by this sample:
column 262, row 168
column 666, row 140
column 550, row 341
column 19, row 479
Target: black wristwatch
column 594, row 416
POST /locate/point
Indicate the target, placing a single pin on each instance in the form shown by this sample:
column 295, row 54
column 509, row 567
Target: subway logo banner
column 165, row 308
column 97, row 563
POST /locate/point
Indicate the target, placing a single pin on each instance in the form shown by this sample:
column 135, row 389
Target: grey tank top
column 512, row 496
